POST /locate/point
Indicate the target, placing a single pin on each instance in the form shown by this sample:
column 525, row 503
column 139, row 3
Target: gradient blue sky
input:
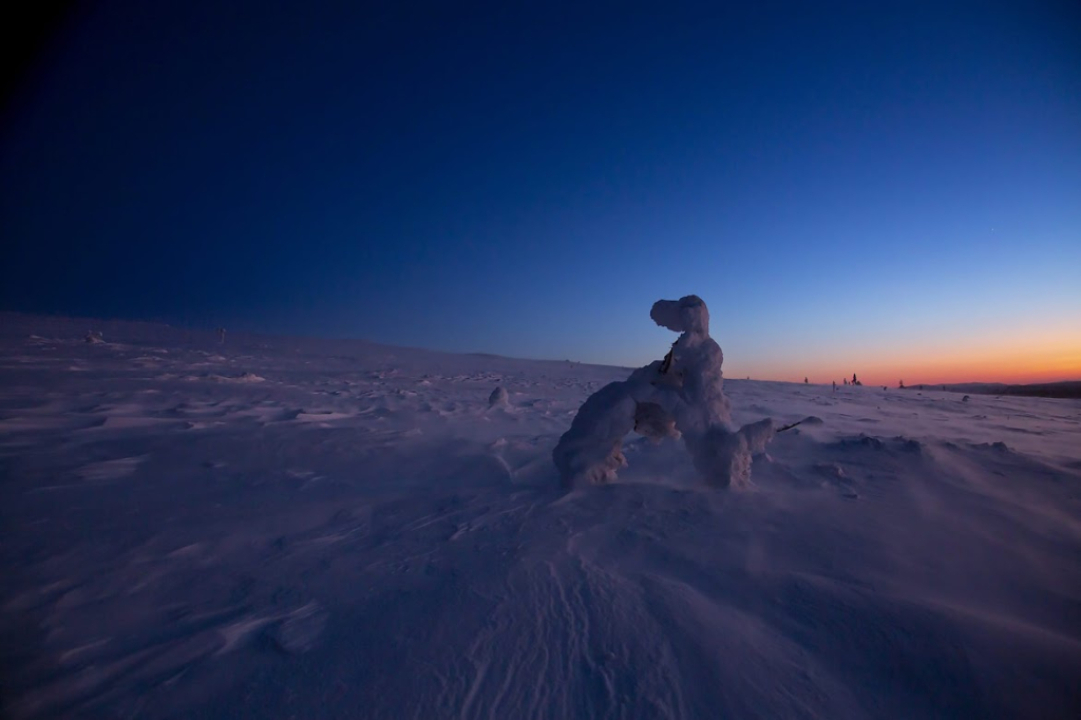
column 891, row 189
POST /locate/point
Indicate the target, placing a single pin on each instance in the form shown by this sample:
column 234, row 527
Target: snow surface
column 278, row 527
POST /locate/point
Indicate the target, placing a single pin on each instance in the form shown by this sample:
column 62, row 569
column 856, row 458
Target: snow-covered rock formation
column 679, row 396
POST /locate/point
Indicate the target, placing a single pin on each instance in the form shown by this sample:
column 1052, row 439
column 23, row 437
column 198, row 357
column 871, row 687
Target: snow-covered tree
column 679, row 396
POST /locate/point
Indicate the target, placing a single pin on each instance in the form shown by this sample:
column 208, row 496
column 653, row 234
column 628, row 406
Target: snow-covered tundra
column 278, row 528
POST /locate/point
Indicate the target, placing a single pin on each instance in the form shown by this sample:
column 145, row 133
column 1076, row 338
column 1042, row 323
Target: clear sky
column 892, row 189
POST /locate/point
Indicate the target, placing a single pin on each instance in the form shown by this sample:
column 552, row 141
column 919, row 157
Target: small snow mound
column 244, row 378
column 830, row 470
column 111, row 469
column 499, row 397
column 866, row 441
column 910, row 445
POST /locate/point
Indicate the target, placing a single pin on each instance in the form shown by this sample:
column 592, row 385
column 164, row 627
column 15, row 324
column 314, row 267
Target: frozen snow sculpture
column 680, row 396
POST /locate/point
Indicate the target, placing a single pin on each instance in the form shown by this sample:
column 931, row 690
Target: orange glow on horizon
column 1036, row 358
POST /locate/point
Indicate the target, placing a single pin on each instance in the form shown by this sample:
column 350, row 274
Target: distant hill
column 1065, row 389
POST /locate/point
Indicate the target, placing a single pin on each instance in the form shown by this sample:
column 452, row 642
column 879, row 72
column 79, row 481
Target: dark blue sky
column 843, row 183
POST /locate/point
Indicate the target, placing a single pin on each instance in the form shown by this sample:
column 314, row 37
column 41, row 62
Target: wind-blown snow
column 361, row 534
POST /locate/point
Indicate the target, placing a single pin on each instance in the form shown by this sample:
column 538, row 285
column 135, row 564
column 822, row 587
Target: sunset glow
column 1025, row 357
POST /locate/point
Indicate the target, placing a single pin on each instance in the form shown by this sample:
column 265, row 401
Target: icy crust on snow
column 680, row 396
column 363, row 535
